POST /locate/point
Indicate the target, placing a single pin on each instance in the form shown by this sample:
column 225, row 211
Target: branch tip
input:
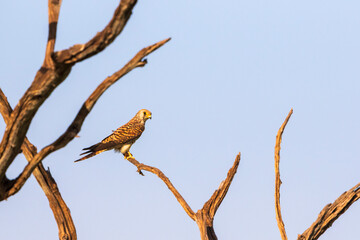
column 278, row 181
column 212, row 205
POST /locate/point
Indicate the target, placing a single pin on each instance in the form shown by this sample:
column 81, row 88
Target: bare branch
column 60, row 210
column 102, row 39
column 50, row 75
column 53, row 11
column 5, row 108
column 204, row 217
column 44, row 83
column 58, row 206
column 330, row 213
column 214, row 202
column 166, row 180
column 277, row 178
column 75, row 126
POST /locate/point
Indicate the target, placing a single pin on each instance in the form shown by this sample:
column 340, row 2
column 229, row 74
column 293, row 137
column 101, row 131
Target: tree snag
column 60, row 210
column 330, row 212
column 10, row 187
column 54, row 70
column 279, row 220
column 203, row 217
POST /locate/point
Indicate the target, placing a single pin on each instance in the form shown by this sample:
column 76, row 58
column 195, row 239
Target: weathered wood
column 75, row 126
column 53, row 18
column 60, row 210
column 330, row 213
column 205, row 224
column 204, row 217
column 45, row 82
column 53, row 72
column 101, row 40
column 168, row 183
column 48, row 77
column 57, row 204
column 279, row 220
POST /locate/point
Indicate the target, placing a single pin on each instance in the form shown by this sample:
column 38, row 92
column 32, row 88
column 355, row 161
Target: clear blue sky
column 223, row 84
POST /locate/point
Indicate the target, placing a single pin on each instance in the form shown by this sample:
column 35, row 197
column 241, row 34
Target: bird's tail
column 90, row 151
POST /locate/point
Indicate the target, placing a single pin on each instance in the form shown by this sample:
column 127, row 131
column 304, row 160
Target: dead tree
column 204, row 217
column 54, row 70
column 328, row 214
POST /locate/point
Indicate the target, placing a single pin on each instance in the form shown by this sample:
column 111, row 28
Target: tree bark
column 279, row 219
column 75, row 127
column 57, row 204
column 329, row 214
column 54, row 70
column 60, row 210
column 205, row 224
column 204, row 217
column 49, row 76
column 56, row 67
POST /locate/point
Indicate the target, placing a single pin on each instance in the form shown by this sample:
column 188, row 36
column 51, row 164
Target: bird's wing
column 129, row 132
column 124, row 134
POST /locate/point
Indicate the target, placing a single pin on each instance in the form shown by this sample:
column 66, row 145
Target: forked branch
column 45, row 81
column 60, row 210
column 54, row 71
column 75, row 126
column 102, row 39
column 204, row 217
column 279, row 220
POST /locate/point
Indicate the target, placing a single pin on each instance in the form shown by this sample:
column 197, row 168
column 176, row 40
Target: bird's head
column 144, row 114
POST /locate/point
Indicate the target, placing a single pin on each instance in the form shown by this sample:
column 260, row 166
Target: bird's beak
column 149, row 116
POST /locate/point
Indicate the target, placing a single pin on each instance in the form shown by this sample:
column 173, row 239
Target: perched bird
column 122, row 138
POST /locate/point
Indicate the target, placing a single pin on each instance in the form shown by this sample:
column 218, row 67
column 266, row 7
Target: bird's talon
column 128, row 155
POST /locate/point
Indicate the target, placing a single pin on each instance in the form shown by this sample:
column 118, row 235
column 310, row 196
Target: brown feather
column 126, row 134
column 89, row 155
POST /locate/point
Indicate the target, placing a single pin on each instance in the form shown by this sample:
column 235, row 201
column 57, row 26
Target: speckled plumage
column 122, row 138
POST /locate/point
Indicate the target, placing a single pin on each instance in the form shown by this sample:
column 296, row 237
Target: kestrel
column 122, row 138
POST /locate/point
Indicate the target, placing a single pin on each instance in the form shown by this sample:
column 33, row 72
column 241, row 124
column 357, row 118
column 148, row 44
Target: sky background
column 224, row 84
